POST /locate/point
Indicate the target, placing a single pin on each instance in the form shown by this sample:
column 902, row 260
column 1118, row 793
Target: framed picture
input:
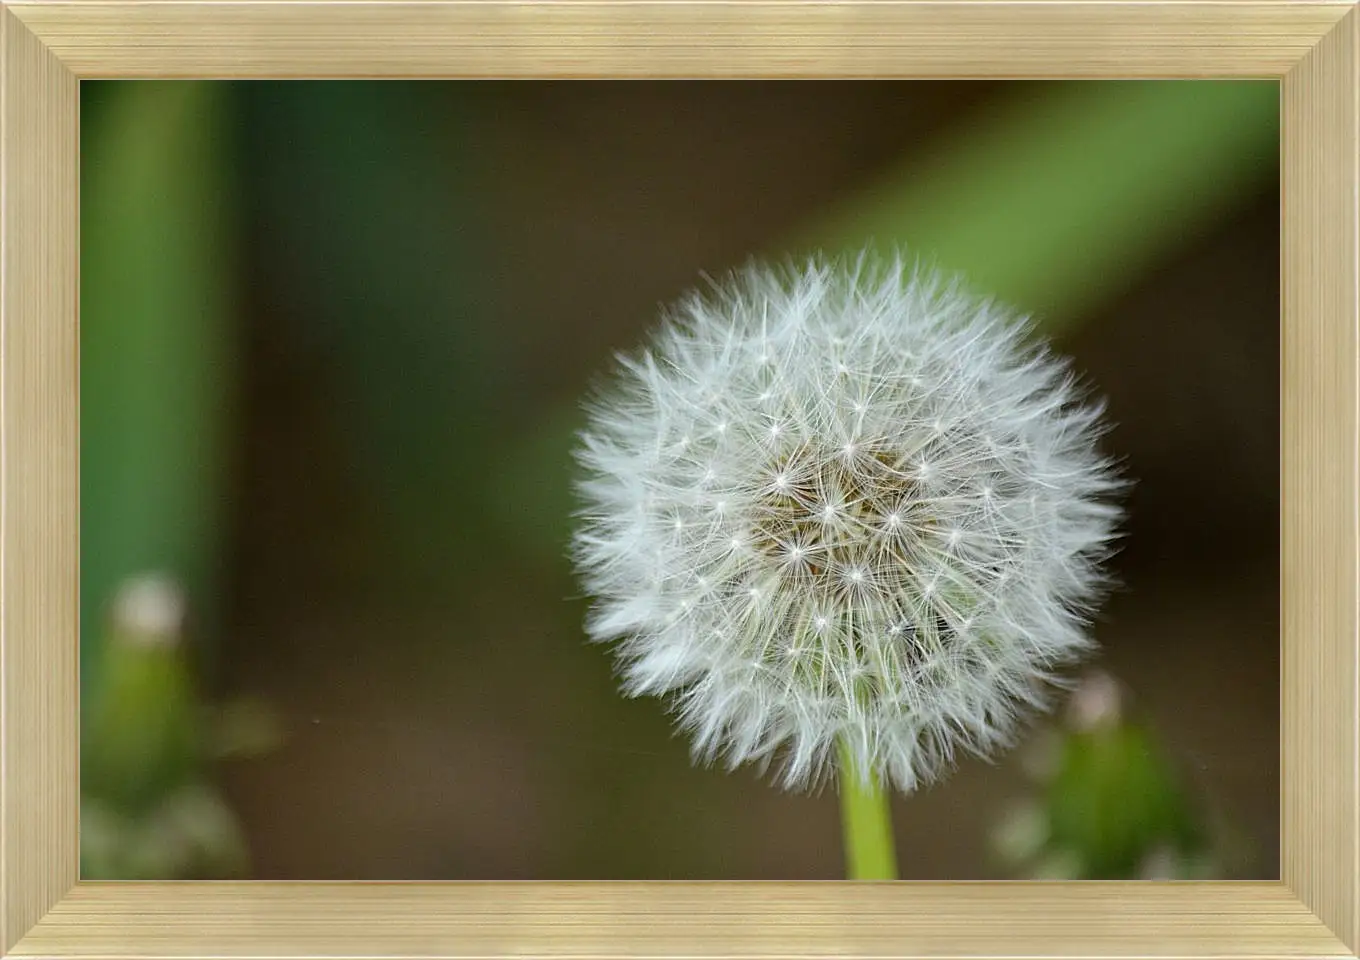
column 822, row 530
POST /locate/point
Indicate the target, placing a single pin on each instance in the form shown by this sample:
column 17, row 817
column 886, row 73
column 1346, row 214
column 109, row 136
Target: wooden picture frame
column 48, row 46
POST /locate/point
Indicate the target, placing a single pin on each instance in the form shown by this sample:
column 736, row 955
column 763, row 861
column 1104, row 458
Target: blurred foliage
column 1110, row 804
column 1068, row 192
column 142, row 735
column 157, row 329
column 190, row 833
column 157, row 380
column 148, row 808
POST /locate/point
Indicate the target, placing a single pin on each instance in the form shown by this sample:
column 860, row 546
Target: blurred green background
column 334, row 335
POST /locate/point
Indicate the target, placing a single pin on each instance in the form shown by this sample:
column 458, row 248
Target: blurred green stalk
column 866, row 823
column 1067, row 192
column 156, row 341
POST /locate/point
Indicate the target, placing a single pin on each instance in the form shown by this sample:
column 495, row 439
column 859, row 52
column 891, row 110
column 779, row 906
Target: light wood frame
column 47, row 46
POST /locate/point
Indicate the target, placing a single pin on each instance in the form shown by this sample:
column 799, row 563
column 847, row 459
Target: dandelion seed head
column 847, row 502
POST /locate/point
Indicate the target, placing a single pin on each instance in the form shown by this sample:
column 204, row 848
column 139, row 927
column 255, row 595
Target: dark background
column 407, row 288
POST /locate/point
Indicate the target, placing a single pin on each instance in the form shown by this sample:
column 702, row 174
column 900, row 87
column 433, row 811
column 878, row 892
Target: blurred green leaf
column 1065, row 193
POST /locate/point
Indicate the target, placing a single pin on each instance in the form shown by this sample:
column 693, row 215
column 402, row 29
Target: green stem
column 867, row 821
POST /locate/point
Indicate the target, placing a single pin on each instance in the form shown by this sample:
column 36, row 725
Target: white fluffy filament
column 848, row 502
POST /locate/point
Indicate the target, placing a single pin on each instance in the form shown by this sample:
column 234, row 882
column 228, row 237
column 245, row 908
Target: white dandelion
column 844, row 511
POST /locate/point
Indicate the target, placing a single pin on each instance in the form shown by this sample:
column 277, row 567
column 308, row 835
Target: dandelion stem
column 867, row 820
